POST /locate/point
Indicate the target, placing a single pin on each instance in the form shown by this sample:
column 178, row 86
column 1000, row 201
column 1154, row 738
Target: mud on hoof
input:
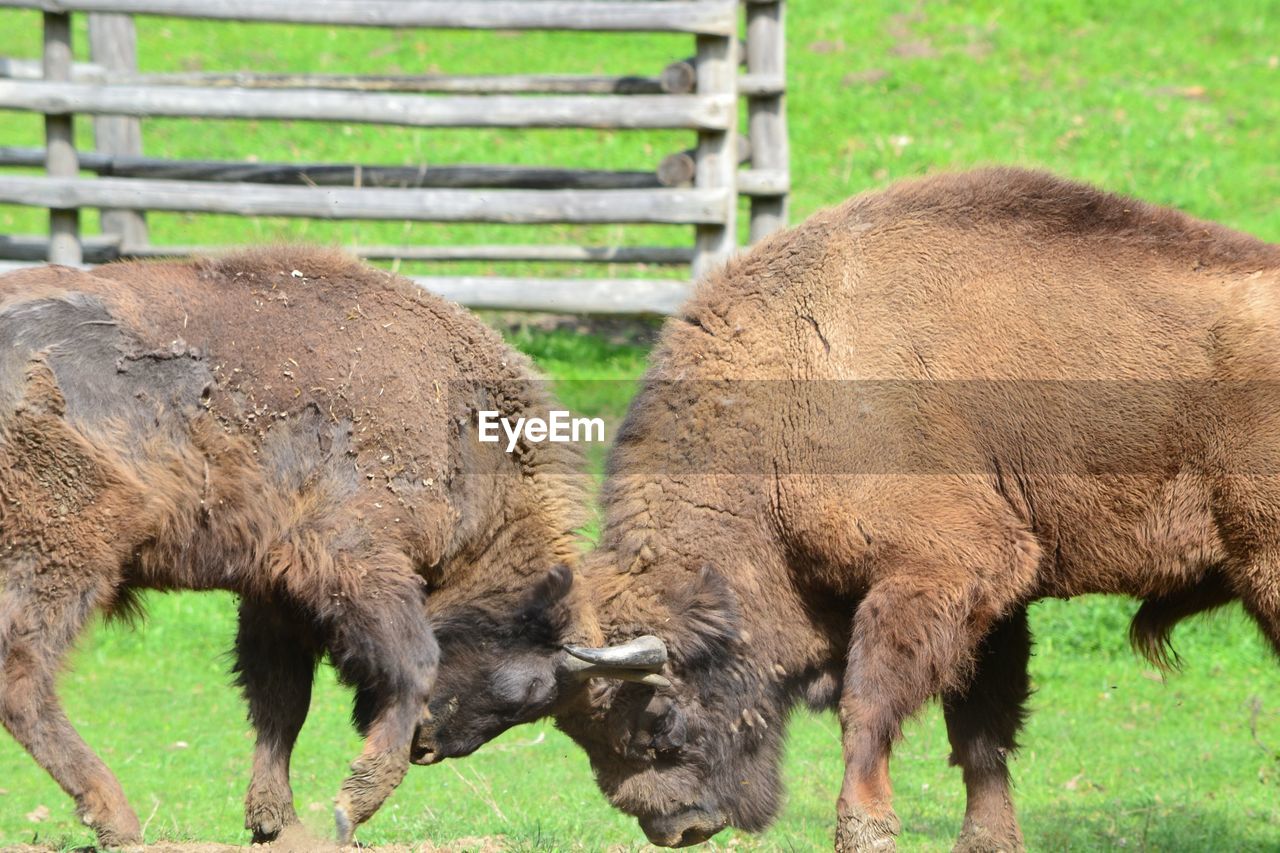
column 371, row 781
column 266, row 817
column 975, row 838
column 116, row 831
column 345, row 829
column 861, row 833
column 115, row 840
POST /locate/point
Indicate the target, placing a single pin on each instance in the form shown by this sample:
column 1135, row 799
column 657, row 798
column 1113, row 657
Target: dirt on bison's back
column 292, row 326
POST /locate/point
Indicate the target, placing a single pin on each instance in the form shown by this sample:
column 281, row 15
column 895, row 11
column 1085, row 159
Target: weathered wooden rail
column 697, row 188
column 676, row 79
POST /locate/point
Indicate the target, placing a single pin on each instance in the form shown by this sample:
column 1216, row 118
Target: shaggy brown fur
column 285, row 424
column 888, row 430
column 865, row 446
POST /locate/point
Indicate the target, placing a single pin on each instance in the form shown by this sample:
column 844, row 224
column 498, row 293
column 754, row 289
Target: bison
column 285, row 424
column 866, row 446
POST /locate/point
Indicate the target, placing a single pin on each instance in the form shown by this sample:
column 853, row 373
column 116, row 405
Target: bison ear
column 546, row 605
column 667, row 723
column 706, row 613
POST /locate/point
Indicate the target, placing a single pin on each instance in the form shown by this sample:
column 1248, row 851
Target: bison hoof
column 372, row 779
column 119, row 839
column 345, row 826
column 266, row 817
column 978, row 839
column 862, row 833
column 120, row 831
column 265, row 832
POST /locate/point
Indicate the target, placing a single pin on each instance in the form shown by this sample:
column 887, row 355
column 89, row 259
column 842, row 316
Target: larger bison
column 290, row 426
column 866, row 446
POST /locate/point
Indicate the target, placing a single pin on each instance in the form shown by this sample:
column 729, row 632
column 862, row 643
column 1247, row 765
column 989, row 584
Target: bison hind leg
column 35, row 633
column 983, row 719
column 276, row 657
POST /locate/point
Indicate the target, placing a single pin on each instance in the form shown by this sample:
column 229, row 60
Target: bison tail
column 1152, row 627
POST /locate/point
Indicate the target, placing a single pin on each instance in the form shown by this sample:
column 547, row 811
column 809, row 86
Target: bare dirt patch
column 295, row 839
column 906, row 43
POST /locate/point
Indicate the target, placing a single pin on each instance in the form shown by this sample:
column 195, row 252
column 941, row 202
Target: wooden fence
column 698, row 187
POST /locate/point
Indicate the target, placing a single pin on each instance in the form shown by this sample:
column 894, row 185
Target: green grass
column 1112, row 757
column 1173, row 102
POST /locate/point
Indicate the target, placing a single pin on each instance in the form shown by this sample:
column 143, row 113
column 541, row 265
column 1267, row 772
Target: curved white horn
column 636, row 660
column 644, row 653
column 583, row 670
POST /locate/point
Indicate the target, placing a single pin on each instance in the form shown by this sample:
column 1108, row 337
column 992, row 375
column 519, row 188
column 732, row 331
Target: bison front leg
column 914, row 635
column 276, row 658
column 384, row 646
column 381, row 766
column 982, row 722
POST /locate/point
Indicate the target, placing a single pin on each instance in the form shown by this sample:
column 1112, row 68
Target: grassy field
column 1171, row 101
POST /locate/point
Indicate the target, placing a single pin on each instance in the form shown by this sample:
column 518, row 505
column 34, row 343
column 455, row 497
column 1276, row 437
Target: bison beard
column 288, row 425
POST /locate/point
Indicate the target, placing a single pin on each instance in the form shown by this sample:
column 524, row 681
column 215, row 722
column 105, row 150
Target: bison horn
column 647, row 652
column 636, row 660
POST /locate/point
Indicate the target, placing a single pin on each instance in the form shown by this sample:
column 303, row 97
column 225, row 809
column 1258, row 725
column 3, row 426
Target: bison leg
column 983, row 720
column 1258, row 580
column 914, row 636
column 275, row 661
column 382, row 645
column 380, row 767
column 37, row 625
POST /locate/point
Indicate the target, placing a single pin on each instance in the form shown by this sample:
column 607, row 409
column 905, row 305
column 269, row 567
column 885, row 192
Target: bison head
column 681, row 732
column 499, row 670
column 691, row 758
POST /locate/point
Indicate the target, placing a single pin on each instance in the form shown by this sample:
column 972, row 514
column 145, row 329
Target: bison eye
column 520, row 688
column 537, row 691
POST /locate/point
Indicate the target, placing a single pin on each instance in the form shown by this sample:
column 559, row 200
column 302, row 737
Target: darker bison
column 290, row 426
column 866, row 446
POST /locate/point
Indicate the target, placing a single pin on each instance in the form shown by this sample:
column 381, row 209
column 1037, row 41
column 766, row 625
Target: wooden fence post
column 766, row 113
column 717, row 160
column 113, row 44
column 703, row 187
column 60, row 144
